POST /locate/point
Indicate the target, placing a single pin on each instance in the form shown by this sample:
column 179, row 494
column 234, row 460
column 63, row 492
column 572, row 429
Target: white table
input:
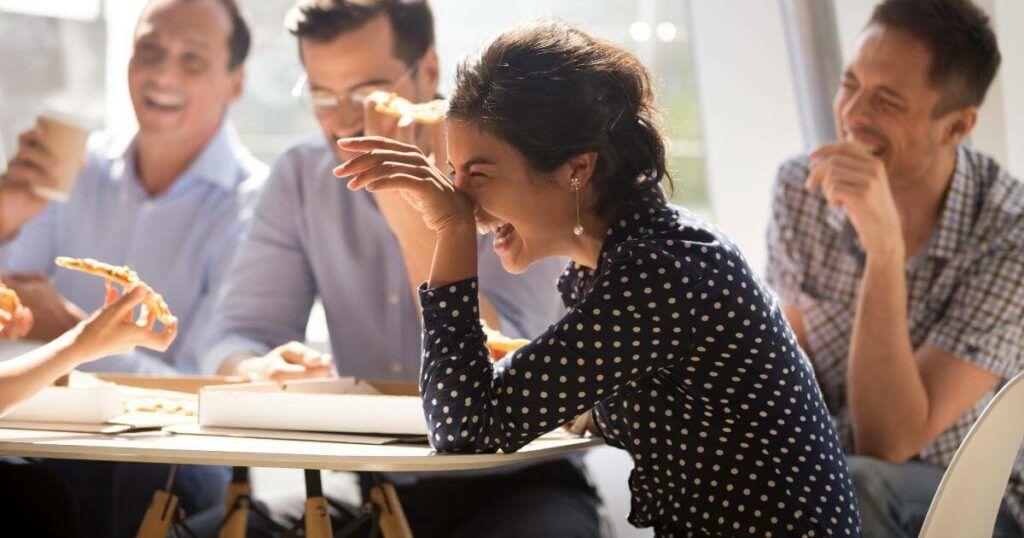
column 163, row 447
column 245, row 452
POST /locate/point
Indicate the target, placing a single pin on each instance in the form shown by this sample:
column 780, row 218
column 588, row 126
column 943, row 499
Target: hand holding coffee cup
column 50, row 156
column 62, row 140
column 18, row 204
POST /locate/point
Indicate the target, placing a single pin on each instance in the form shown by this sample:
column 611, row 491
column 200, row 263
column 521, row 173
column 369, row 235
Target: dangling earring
column 575, row 184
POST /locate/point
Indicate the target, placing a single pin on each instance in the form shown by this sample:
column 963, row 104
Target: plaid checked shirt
column 966, row 286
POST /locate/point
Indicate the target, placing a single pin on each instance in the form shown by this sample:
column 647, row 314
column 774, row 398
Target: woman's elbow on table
column 463, row 438
column 457, row 440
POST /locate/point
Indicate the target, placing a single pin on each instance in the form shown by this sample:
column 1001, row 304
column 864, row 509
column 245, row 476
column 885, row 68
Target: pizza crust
column 407, row 112
column 500, row 345
column 122, row 275
column 161, row 405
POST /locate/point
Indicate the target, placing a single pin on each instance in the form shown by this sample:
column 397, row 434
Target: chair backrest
column 969, row 497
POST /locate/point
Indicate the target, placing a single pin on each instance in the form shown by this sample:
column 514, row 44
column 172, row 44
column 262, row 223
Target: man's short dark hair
column 241, row 38
column 965, row 54
column 412, row 22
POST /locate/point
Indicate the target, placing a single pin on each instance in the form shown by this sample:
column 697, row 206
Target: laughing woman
column 669, row 337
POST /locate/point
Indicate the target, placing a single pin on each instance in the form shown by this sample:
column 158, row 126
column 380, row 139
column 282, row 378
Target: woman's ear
column 582, row 167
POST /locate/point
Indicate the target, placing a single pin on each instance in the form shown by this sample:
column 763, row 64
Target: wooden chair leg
column 318, row 517
column 393, row 523
column 161, row 512
column 237, row 511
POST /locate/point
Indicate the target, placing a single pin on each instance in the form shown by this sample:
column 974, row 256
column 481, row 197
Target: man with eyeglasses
column 172, row 200
column 364, row 254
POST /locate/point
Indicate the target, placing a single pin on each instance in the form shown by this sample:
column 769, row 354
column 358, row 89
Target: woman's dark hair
column 552, row 92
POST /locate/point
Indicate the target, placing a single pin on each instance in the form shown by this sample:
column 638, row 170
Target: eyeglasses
column 348, row 105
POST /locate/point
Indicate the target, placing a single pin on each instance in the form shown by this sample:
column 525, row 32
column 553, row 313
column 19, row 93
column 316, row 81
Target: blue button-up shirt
column 180, row 242
column 312, row 237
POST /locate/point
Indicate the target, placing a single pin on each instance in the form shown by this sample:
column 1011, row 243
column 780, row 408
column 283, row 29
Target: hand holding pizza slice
column 500, row 345
column 126, row 277
column 9, row 301
column 407, row 112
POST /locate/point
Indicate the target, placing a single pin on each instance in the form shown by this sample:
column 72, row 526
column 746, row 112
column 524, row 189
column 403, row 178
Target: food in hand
column 9, row 301
column 122, row 275
column 500, row 345
column 408, row 112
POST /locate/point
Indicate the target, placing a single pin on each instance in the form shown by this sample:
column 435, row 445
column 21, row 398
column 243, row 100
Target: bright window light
column 666, row 32
column 82, row 10
column 640, row 31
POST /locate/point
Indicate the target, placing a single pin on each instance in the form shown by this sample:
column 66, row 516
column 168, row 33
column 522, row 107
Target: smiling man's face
column 362, row 60
column 179, row 75
column 886, row 102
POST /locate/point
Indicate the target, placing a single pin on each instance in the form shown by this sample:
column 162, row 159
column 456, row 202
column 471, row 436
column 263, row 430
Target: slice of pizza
column 500, row 345
column 408, row 112
column 122, row 275
column 9, row 301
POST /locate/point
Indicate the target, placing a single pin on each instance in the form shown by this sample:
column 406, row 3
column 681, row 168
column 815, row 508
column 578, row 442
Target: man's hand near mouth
column 852, row 177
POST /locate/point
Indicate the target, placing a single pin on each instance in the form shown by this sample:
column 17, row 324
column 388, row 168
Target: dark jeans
column 551, row 499
column 894, row 498
column 35, row 502
column 112, row 497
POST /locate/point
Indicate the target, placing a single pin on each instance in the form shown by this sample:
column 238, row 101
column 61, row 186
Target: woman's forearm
column 24, row 376
column 454, row 255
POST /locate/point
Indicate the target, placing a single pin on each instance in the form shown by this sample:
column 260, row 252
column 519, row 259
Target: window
column 70, row 63
column 655, row 30
column 48, row 63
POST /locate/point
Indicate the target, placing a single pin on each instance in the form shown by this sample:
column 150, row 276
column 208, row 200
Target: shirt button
column 397, row 368
column 392, row 299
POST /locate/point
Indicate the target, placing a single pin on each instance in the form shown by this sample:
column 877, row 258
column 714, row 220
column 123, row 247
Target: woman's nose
column 458, row 181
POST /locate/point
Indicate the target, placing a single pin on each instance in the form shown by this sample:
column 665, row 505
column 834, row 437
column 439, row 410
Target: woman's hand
column 385, row 164
column 15, row 325
column 113, row 329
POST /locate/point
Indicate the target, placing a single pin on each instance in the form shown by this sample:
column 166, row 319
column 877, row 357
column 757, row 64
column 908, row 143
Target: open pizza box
column 111, row 403
column 389, row 411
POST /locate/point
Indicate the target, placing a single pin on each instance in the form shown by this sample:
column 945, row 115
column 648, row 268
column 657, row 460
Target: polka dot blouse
column 687, row 363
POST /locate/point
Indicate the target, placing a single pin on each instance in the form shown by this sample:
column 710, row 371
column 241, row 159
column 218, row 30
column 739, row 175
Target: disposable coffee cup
column 64, row 137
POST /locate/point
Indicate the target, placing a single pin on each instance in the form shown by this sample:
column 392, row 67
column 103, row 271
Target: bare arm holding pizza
column 111, row 330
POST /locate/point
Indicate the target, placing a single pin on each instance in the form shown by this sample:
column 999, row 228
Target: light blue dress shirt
column 312, row 237
column 180, row 242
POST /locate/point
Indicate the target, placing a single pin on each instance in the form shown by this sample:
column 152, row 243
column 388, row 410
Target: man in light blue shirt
column 312, row 237
column 172, row 202
column 179, row 242
column 363, row 254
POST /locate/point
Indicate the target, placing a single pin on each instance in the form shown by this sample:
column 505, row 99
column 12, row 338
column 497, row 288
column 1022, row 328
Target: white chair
column 969, row 497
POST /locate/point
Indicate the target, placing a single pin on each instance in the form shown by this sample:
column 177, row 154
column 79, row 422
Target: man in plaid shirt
column 898, row 256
